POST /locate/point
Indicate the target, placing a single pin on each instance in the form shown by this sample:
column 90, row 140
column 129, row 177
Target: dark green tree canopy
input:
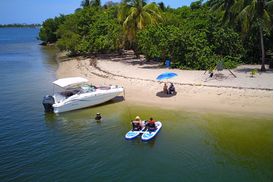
column 89, row 31
column 49, row 28
column 194, row 37
column 94, row 3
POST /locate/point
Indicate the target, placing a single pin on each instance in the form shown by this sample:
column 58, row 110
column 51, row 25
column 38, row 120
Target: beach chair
column 219, row 67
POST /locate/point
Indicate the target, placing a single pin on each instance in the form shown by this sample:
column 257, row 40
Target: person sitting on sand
column 171, row 89
column 165, row 89
column 137, row 124
column 151, row 124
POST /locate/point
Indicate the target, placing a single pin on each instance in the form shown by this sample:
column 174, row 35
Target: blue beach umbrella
column 166, row 75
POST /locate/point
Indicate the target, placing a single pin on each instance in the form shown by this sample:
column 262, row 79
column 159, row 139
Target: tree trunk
column 163, row 55
column 262, row 48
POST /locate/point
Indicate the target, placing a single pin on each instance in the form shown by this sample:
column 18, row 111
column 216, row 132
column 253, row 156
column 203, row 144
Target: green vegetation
column 253, row 72
column 48, row 31
column 248, row 15
column 92, row 3
column 194, row 37
column 197, row 41
column 135, row 15
column 90, row 30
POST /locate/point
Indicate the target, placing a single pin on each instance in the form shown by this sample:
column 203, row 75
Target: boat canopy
column 68, row 82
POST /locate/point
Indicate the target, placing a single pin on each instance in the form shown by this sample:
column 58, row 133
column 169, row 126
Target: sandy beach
column 195, row 90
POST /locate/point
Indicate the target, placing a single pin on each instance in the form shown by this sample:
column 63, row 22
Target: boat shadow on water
column 116, row 99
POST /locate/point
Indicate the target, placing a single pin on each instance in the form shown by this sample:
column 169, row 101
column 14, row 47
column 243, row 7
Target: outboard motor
column 48, row 101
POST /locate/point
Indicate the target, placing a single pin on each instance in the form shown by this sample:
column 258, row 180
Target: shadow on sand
column 156, row 66
column 164, row 95
column 248, row 70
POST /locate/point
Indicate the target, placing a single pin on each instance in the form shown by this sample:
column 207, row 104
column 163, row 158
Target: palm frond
column 237, row 6
column 243, row 18
column 122, row 12
column 217, row 5
column 266, row 18
column 136, row 14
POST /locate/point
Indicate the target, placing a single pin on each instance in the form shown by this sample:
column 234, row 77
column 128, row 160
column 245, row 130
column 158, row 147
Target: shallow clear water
column 73, row 147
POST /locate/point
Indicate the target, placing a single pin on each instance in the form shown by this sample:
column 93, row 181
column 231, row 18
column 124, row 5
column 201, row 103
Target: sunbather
column 171, row 89
column 165, row 89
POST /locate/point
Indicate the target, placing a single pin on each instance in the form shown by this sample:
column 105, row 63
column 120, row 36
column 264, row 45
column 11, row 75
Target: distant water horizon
column 72, row 146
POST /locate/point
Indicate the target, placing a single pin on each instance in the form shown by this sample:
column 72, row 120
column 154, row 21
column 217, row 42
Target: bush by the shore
column 194, row 37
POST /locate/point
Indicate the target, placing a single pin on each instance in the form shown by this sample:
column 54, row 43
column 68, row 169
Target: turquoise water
column 73, row 147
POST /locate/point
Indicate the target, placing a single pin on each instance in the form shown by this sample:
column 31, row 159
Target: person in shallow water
column 137, row 124
column 98, row 117
column 151, row 124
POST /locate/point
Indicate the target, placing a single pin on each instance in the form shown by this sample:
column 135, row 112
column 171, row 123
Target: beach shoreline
column 195, row 92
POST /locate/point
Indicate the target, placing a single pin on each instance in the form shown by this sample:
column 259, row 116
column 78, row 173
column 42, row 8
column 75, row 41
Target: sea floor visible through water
column 190, row 146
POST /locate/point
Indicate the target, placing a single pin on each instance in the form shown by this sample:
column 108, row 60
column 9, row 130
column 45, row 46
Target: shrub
column 231, row 62
column 90, row 30
column 48, row 31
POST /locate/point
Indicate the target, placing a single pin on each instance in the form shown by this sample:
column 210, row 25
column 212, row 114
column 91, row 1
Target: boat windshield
column 64, row 94
column 87, row 88
column 70, row 92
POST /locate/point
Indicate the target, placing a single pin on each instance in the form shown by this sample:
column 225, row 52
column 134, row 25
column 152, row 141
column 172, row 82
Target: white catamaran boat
column 76, row 93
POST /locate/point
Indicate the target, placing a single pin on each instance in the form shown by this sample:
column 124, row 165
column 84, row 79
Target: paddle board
column 148, row 135
column 133, row 134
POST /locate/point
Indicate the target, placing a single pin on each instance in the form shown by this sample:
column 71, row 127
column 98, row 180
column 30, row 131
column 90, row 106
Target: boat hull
column 86, row 101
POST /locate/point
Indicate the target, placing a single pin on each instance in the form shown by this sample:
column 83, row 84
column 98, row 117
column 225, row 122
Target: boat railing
column 103, row 88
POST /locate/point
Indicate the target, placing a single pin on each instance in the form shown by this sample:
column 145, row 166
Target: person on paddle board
column 137, row 123
column 151, row 124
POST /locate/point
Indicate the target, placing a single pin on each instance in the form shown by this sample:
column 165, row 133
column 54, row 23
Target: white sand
column 195, row 91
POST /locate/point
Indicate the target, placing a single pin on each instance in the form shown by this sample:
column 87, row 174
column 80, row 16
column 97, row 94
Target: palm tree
column 85, row 3
column 135, row 15
column 95, row 3
column 162, row 6
column 249, row 14
column 255, row 13
column 224, row 6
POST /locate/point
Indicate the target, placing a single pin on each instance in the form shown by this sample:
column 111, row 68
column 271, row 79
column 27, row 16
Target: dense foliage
column 194, row 37
column 199, row 40
column 90, row 30
column 48, row 31
column 247, row 16
column 136, row 15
